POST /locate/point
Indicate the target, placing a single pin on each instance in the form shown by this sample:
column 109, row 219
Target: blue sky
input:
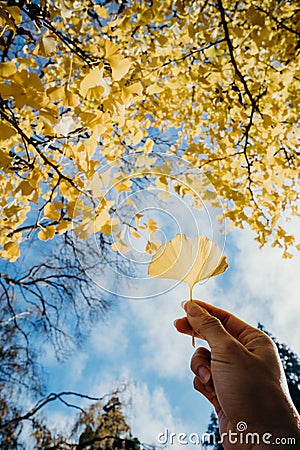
column 137, row 344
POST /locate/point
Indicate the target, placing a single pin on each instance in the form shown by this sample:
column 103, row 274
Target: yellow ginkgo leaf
column 47, row 233
column 7, row 69
column 46, row 47
column 120, row 246
column 189, row 261
column 92, row 79
column 119, row 66
column 11, row 251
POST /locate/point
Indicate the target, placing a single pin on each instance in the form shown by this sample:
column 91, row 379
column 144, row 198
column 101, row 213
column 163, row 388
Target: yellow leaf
column 101, row 11
column 134, row 233
column 152, row 246
column 6, row 131
column 135, row 88
column 46, row 47
column 111, row 226
column 102, row 218
column 47, row 233
column 70, row 99
column 287, row 255
column 110, row 49
column 184, row 260
column 7, row 69
column 50, row 212
column 5, row 160
column 15, row 12
column 154, row 89
column 120, row 247
column 137, row 138
column 63, row 226
column 93, row 78
column 56, row 93
column 25, row 187
column 255, row 16
column 65, row 126
column 152, row 225
column 12, row 251
column 119, row 66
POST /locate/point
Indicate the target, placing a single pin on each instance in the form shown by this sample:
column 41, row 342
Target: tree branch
column 13, row 121
column 50, row 398
column 232, row 58
column 278, row 22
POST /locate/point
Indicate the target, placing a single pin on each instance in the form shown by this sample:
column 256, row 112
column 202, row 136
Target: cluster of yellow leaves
column 91, row 80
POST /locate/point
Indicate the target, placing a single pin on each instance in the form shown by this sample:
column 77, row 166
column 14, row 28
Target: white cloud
column 151, row 414
column 110, row 338
column 148, row 410
column 266, row 288
column 139, row 344
column 164, row 351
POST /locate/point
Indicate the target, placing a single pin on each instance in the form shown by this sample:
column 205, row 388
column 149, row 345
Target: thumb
column 206, row 325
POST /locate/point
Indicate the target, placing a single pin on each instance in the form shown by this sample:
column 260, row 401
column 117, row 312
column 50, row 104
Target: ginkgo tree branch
column 193, row 52
column 249, row 163
column 277, row 21
column 220, row 158
column 31, row 141
column 232, row 57
column 35, row 14
column 34, row 226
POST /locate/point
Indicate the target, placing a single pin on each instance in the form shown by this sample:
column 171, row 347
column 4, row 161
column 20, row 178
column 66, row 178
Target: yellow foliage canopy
column 81, row 85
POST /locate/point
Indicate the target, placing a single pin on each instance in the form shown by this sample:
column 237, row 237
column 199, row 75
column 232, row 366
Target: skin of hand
column 241, row 375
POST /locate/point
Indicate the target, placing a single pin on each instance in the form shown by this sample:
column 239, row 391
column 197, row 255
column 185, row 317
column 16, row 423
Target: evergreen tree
column 291, row 365
column 213, row 438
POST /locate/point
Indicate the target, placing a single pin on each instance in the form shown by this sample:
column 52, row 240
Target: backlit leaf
column 190, row 261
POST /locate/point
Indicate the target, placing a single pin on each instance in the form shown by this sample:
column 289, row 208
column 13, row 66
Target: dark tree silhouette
column 291, row 364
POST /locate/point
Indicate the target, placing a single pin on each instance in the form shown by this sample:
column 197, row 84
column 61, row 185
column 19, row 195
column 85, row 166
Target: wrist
column 281, row 429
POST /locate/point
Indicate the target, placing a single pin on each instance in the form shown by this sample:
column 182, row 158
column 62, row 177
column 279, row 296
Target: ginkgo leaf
column 12, row 251
column 119, row 66
column 5, row 160
column 94, row 79
column 101, row 11
column 7, row 69
column 47, row 233
column 65, row 126
column 25, row 187
column 110, row 48
column 6, row 131
column 50, row 212
column 189, row 261
column 46, row 47
column 120, row 246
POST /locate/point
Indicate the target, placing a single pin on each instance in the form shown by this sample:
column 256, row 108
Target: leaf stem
column 193, row 333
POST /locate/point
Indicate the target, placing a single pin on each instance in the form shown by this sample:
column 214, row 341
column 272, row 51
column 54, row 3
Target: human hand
column 241, row 375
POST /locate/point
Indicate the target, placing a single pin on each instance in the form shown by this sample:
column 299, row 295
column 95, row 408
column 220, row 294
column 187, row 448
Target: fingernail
column 174, row 323
column 183, row 303
column 204, row 374
column 193, row 309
